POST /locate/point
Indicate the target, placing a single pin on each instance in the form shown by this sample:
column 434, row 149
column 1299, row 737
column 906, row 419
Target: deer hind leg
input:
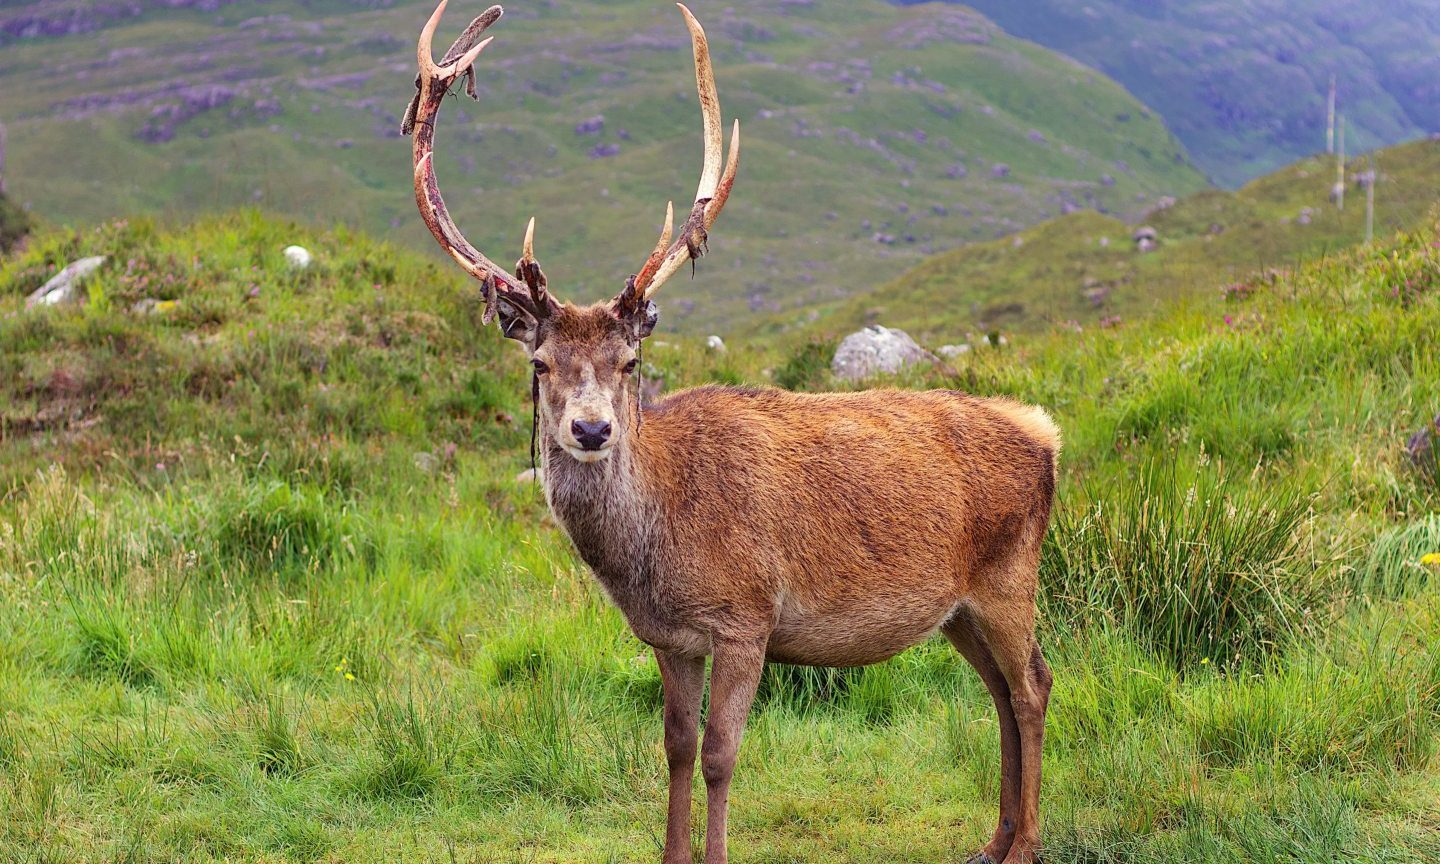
column 1007, row 625
column 683, row 680
column 964, row 634
column 734, row 677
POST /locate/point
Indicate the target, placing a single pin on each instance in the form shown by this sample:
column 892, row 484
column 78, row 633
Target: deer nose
column 591, row 434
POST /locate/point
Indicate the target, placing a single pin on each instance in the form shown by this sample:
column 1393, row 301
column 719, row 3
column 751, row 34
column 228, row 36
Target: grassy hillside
column 1085, row 269
column 872, row 133
column 1244, row 83
column 279, row 598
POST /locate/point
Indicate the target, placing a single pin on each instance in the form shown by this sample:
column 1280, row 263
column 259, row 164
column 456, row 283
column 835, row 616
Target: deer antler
column 711, row 194
column 432, row 85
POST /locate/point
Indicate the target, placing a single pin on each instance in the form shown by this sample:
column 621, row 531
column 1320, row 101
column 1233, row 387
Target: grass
column 269, row 591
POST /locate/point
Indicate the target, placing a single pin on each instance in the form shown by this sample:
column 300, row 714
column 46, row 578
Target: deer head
column 584, row 357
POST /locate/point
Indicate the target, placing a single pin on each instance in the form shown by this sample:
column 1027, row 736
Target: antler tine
column 527, row 253
column 714, row 187
column 709, row 106
column 527, row 269
column 433, row 84
column 657, row 255
column 727, row 180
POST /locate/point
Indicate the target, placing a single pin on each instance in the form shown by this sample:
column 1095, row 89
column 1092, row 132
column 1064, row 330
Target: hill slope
column 285, row 602
column 1244, row 84
column 1084, row 267
column 872, row 133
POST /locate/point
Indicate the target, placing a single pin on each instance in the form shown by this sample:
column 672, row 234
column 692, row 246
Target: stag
column 748, row 525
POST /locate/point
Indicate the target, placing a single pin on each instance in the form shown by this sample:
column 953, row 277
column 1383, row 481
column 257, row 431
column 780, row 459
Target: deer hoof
column 980, row 858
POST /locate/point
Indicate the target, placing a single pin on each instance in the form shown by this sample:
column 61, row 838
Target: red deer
column 748, row 525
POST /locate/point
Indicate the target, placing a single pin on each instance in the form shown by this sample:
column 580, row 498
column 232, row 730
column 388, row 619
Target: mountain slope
column 1085, row 267
column 874, row 135
column 1244, row 84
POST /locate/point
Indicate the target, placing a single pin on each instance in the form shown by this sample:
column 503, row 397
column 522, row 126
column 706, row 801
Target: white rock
column 64, row 287
column 952, row 351
column 298, row 257
column 874, row 350
column 715, row 343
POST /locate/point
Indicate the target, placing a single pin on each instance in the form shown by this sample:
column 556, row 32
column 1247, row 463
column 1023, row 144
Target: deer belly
column 855, row 636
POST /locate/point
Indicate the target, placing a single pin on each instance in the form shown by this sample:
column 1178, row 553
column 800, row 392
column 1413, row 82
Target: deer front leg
column 683, row 679
column 733, row 678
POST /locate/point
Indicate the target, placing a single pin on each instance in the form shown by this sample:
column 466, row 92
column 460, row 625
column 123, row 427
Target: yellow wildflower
column 1431, row 560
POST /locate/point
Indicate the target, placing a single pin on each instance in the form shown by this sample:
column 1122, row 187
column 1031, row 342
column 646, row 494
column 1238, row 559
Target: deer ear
column 636, row 315
column 516, row 323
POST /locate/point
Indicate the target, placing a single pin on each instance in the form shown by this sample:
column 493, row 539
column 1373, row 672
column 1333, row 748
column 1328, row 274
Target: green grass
column 269, row 591
column 825, row 169
column 1083, row 270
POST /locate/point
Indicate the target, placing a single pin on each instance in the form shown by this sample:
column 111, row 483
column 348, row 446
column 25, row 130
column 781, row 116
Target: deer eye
column 540, row 367
column 630, row 367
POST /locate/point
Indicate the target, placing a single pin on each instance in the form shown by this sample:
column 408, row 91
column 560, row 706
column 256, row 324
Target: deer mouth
column 588, row 455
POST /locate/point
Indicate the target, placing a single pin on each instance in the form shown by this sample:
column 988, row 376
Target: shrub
column 1201, row 564
column 807, row 367
column 14, row 224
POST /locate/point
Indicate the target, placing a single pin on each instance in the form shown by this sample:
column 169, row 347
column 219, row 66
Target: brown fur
column 820, row 529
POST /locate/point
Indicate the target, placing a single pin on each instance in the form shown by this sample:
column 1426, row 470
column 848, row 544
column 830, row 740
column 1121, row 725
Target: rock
column 64, row 287
column 715, row 343
column 1424, row 446
column 1146, row 238
column 876, row 350
column 298, row 257
column 950, row 352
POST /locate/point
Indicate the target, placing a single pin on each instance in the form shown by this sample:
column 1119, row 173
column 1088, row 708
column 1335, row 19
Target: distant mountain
column 1086, row 268
column 1243, row 83
column 874, row 135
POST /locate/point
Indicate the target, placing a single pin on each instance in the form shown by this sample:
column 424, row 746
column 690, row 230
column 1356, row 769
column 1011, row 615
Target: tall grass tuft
column 1392, row 570
column 1201, row 564
column 285, row 527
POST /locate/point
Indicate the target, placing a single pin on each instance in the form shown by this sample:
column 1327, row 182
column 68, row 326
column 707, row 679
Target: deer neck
column 607, row 509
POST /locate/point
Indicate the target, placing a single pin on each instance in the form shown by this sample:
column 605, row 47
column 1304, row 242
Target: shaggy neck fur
column 606, row 508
